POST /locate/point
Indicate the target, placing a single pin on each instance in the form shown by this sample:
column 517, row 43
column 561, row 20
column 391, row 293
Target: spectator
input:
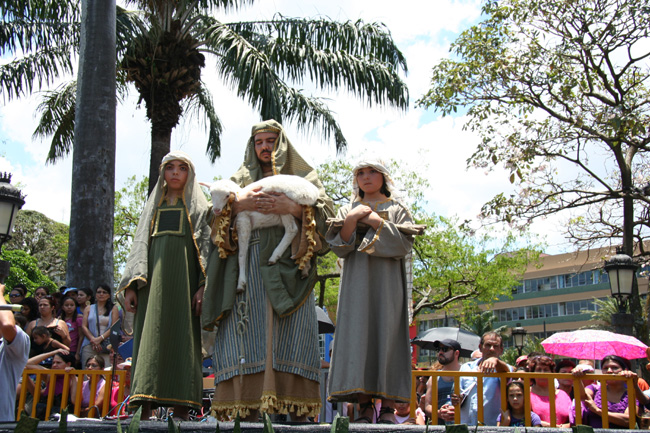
column 58, row 329
column 448, row 354
column 29, row 308
column 539, row 394
column 403, row 415
column 14, row 351
column 85, row 297
column 515, row 415
column 566, row 385
column 95, row 362
column 491, row 347
column 618, row 404
column 116, row 406
column 40, row 293
column 17, row 294
column 61, row 360
column 96, row 324
column 74, row 320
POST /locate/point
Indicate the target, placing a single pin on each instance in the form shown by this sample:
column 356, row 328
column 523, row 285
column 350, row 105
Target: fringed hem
column 269, row 403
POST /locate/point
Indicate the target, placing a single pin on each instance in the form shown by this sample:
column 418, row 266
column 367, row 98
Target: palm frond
column 311, row 114
column 34, row 71
column 27, row 35
column 202, row 103
column 225, row 5
column 57, row 109
column 356, row 38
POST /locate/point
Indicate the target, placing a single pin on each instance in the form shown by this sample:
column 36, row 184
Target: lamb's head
column 220, row 191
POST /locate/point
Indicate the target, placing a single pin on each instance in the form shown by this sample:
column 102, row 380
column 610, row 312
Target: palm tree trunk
column 90, row 254
column 161, row 138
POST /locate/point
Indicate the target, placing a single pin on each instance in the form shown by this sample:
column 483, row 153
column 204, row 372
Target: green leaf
column 268, row 426
column 340, row 424
column 134, row 425
column 63, row 421
column 172, row 426
column 26, row 424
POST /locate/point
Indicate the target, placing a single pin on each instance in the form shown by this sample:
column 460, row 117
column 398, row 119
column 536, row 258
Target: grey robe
column 371, row 346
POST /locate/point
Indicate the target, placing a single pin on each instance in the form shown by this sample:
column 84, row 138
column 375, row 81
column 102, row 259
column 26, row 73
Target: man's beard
column 443, row 360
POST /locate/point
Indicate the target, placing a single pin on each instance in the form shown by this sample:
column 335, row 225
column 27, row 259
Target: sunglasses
column 14, row 295
column 443, row 349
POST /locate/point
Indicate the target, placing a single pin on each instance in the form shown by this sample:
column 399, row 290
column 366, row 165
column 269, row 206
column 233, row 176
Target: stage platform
column 84, row 426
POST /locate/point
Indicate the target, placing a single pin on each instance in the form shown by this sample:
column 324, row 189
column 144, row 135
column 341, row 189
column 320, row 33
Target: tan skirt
column 268, row 391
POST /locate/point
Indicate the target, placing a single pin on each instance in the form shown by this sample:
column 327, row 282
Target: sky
column 435, row 147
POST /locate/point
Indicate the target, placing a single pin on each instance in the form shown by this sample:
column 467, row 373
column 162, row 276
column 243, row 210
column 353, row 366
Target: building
column 553, row 296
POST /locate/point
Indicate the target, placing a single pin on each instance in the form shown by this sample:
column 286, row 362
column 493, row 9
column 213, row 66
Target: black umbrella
column 467, row 340
column 325, row 325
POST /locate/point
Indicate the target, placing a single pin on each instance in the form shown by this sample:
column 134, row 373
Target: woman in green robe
column 163, row 285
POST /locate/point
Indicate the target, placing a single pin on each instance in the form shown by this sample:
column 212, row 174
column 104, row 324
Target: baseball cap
column 447, row 342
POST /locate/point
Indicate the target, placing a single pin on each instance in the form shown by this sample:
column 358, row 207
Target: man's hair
column 492, row 334
column 41, row 331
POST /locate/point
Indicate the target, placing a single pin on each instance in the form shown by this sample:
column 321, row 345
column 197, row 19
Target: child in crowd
column 371, row 356
column 44, row 343
column 70, row 315
column 515, row 416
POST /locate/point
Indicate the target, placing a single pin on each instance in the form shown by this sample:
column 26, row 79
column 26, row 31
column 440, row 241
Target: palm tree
column 163, row 47
column 93, row 161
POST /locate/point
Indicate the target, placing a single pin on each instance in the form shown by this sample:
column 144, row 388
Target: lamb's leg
column 290, row 231
column 243, row 233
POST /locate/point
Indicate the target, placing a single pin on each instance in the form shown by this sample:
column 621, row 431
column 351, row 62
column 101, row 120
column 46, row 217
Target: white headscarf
column 378, row 165
column 196, row 206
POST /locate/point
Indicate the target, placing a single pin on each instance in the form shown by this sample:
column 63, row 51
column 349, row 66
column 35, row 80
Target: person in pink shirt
column 539, row 394
column 74, row 320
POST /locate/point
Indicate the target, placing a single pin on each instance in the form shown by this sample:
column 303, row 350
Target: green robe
column 167, row 339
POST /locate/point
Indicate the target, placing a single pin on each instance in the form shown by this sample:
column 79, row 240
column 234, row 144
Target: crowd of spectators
column 53, row 329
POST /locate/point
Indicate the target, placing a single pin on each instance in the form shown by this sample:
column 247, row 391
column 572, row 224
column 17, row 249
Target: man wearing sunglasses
column 448, row 353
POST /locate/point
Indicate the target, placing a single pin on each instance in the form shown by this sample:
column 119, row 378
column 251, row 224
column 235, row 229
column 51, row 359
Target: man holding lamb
column 266, row 348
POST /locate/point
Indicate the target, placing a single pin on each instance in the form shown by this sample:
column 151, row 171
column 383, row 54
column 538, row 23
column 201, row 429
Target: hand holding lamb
column 295, row 188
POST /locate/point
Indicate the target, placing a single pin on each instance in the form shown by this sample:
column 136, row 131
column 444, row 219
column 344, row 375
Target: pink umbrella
column 594, row 344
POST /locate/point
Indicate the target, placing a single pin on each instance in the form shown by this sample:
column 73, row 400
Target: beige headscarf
column 378, row 165
column 196, row 205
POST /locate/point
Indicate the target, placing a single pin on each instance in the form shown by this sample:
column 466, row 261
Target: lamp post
column 519, row 337
column 621, row 270
column 11, row 200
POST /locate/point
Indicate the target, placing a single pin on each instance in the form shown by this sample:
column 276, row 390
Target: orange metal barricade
column 51, row 375
column 602, row 378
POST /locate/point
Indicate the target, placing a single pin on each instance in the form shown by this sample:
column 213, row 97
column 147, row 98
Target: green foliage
column 268, row 426
column 479, row 322
column 26, row 424
column 24, row 269
column 454, row 265
column 129, row 201
column 63, row 421
column 340, row 424
column 532, row 344
column 44, row 239
column 602, row 317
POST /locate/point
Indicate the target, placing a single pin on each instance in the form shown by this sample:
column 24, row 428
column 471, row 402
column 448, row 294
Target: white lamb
column 296, row 188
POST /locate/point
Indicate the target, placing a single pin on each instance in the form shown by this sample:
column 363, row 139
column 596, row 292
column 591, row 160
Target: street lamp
column 11, row 200
column 621, row 270
column 519, row 337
